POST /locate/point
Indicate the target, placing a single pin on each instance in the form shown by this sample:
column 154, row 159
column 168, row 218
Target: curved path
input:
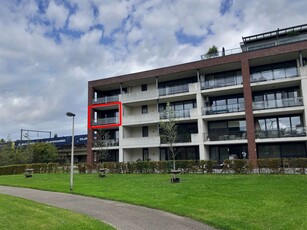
column 119, row 215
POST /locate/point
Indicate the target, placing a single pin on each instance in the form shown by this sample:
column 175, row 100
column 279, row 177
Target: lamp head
column 70, row 114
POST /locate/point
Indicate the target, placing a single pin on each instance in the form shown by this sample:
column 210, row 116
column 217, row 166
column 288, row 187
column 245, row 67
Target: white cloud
column 57, row 14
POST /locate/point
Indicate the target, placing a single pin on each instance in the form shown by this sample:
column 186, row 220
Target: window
column 145, row 154
column 144, row 109
column 145, row 131
column 144, row 87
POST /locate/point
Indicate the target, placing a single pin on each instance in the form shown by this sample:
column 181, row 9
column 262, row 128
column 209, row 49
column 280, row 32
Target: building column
column 249, row 117
column 90, row 132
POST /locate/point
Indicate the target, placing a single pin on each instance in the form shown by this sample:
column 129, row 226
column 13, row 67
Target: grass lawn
column 223, row 201
column 17, row 213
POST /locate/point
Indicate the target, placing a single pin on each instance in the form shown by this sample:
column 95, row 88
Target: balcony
column 143, row 142
column 211, row 84
column 282, row 133
column 185, row 138
column 185, row 113
column 106, row 99
column 220, row 109
column 105, row 121
column 217, row 135
column 141, row 118
column 279, row 103
column 275, row 74
column 184, row 88
column 139, row 96
column 105, row 143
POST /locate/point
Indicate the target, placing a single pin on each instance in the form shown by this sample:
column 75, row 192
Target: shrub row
column 38, row 168
column 238, row 166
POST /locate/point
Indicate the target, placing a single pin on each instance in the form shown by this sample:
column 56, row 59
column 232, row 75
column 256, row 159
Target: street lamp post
column 69, row 114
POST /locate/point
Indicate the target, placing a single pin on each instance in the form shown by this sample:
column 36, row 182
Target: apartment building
column 242, row 103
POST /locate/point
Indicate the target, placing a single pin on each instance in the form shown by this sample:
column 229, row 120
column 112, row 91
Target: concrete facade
column 251, row 102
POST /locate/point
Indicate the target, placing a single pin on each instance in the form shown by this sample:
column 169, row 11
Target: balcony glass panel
column 105, row 121
column 279, row 103
column 106, row 99
column 221, row 80
column 274, row 71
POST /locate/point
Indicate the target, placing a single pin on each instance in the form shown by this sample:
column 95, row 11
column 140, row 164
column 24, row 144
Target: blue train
column 59, row 142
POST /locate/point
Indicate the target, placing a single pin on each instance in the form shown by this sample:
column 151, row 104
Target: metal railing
column 181, row 138
column 224, row 135
column 219, row 109
column 221, row 53
column 280, row 133
column 177, row 114
column 274, row 74
column 105, row 121
column 279, row 103
column 106, row 143
column 184, row 88
column 106, row 99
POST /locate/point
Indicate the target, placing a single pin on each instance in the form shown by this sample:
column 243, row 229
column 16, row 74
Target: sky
column 50, row 49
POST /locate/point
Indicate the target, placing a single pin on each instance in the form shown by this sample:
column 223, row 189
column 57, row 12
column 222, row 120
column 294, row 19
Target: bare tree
column 168, row 131
column 102, row 141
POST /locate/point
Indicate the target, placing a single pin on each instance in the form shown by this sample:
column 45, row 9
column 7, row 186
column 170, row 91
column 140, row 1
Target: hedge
column 238, row 166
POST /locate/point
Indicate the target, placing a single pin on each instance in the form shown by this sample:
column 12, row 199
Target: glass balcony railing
column 181, row 138
column 223, row 109
column 219, row 135
column 177, row 113
column 106, row 99
column 174, row 90
column 281, row 133
column 218, row 83
column 106, row 143
column 106, row 121
column 275, row 74
column 279, row 103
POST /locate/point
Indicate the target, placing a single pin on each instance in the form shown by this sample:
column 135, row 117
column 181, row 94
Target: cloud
column 57, row 14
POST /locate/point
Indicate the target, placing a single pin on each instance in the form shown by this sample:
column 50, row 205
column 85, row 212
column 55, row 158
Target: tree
column 212, row 52
column 102, row 142
column 42, row 152
column 168, row 131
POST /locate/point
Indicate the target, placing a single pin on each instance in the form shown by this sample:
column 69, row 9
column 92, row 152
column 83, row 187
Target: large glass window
column 277, row 98
column 221, row 79
column 175, row 86
column 274, row 71
column 283, row 150
column 182, row 153
column 274, row 127
column 221, row 153
column 227, row 130
column 225, row 104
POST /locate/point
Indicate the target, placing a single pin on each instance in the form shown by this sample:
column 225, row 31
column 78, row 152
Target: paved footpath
column 120, row 215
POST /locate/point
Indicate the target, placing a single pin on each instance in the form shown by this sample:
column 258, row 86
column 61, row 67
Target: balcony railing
column 221, row 53
column 106, row 143
column 279, row 103
column 177, row 113
column 181, row 138
column 285, row 132
column 237, row 80
column 107, row 99
column 219, row 109
column 218, row 135
column 275, row 74
column 174, row 90
column 106, row 121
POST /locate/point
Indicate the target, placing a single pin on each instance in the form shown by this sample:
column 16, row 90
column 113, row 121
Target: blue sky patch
column 183, row 38
column 225, row 6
